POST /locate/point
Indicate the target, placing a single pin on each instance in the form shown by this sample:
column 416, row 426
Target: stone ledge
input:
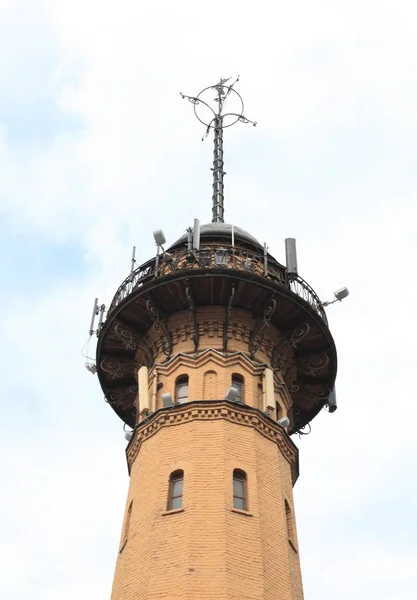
column 205, row 410
column 245, row 513
column 174, row 511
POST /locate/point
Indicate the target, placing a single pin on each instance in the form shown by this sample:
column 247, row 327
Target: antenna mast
column 219, row 121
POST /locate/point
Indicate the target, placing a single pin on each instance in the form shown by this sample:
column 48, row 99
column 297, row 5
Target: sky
column 97, row 150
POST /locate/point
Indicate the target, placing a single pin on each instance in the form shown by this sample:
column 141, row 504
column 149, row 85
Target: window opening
column 176, row 484
column 181, row 389
column 290, row 522
column 238, row 383
column 239, row 490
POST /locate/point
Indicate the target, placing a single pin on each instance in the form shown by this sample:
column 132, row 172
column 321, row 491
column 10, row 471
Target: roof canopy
column 221, row 232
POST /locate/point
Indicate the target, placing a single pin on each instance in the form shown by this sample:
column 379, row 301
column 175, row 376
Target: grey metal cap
column 219, row 232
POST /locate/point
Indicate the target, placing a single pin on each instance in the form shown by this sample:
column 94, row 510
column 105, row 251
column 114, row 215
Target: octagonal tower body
column 182, row 330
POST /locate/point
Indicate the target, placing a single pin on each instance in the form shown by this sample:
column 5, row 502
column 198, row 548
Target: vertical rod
column 132, row 263
column 233, row 245
column 189, row 240
column 218, row 172
column 266, row 258
column 158, row 248
column 100, row 321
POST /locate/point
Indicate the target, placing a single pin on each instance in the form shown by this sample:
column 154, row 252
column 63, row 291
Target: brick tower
column 213, row 353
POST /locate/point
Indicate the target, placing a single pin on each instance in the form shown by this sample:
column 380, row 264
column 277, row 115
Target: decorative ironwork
column 133, row 341
column 192, row 306
column 160, row 325
column 227, row 317
column 121, row 397
column 316, row 393
column 237, row 259
column 130, row 340
column 281, row 355
column 116, row 368
column 312, row 365
column 298, row 334
column 306, row 292
column 219, row 119
column 255, row 337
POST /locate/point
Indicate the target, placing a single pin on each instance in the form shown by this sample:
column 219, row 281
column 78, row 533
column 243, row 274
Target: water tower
column 213, row 354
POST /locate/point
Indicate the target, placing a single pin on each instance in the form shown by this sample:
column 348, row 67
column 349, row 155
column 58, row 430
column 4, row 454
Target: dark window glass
column 177, row 487
column 239, row 503
column 181, row 389
column 175, row 490
column 239, row 490
column 176, row 503
column 237, row 383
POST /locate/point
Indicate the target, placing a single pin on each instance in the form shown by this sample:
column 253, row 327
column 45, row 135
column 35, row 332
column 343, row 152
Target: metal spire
column 218, row 120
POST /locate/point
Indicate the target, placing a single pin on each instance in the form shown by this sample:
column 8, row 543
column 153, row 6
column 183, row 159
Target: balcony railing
column 218, row 257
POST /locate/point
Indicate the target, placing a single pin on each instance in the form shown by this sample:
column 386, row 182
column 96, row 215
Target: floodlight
column 338, row 296
column 166, row 400
column 284, row 422
column 342, row 293
column 159, row 237
column 231, row 394
column 128, row 435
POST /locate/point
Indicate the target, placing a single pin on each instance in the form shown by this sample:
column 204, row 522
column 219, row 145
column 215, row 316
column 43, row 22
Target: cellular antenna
column 213, row 115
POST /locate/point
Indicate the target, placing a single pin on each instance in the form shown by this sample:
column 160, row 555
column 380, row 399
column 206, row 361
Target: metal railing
column 218, row 257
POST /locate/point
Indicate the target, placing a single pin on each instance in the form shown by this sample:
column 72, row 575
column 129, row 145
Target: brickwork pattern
column 207, row 550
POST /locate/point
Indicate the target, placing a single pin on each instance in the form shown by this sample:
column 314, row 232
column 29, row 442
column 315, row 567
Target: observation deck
column 231, row 276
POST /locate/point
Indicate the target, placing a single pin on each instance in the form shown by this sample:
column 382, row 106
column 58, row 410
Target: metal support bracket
column 159, row 323
column 226, row 321
column 191, row 303
column 260, row 324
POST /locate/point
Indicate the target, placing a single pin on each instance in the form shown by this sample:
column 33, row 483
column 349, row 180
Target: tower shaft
column 218, row 541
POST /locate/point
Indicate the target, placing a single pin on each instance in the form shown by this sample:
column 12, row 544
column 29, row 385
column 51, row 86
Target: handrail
column 220, row 257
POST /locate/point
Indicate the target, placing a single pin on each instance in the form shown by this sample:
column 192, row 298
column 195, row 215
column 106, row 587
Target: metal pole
column 217, row 123
column 218, row 172
column 157, row 261
column 266, row 258
column 132, row 263
column 100, row 321
column 233, row 245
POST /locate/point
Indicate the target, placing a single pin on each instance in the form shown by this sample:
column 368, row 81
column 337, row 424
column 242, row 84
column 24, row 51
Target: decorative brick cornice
column 207, row 356
column 214, row 410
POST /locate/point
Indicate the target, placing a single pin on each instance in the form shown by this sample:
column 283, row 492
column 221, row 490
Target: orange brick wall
column 208, row 550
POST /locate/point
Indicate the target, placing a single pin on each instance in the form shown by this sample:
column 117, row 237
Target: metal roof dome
column 221, row 231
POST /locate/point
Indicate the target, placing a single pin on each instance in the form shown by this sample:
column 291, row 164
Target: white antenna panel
column 196, row 235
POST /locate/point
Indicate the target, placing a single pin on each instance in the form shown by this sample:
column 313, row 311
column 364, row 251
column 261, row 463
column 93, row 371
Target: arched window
column 240, row 490
column 238, row 383
column 181, row 389
column 290, row 524
column 176, row 483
